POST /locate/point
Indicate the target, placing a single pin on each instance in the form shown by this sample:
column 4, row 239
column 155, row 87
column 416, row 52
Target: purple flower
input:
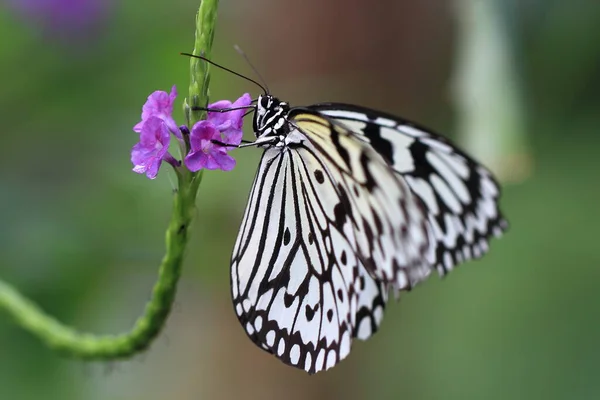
column 205, row 153
column 225, row 127
column 160, row 105
column 209, row 139
column 148, row 154
column 229, row 123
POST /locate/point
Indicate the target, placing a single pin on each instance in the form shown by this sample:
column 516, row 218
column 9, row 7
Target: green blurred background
column 83, row 235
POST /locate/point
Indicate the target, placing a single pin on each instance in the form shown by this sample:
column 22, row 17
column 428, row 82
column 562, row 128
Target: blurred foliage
column 83, row 235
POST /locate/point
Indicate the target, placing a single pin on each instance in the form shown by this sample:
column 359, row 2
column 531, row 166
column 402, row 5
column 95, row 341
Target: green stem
column 199, row 70
column 71, row 342
column 87, row 346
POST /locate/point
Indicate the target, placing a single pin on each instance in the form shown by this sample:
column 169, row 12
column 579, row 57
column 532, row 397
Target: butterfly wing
column 298, row 289
column 316, row 230
column 461, row 195
column 376, row 206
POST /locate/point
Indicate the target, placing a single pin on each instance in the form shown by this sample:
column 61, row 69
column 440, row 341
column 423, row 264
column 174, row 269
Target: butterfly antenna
column 264, row 89
column 241, row 53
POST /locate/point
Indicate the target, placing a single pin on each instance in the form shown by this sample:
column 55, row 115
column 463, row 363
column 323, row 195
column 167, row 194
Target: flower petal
column 138, row 127
column 204, row 153
column 160, row 104
column 196, row 160
column 224, row 120
column 232, row 136
column 173, row 96
column 153, row 169
column 236, row 117
column 224, row 161
column 201, row 132
column 140, row 155
column 147, row 155
column 218, row 119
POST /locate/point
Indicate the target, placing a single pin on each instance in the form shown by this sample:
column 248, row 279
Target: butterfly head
column 270, row 118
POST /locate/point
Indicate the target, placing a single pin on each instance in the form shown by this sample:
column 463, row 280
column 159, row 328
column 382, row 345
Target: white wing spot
column 402, row 158
column 345, row 345
column 328, row 244
column 447, row 260
column 425, row 192
column 445, row 193
column 467, row 252
column 488, row 186
column 402, row 280
column 258, row 323
column 346, row 115
column 308, row 362
column 378, row 314
column 476, row 250
column 320, row 360
column 497, row 232
column 364, row 329
column 412, row 131
column 331, row 359
column 436, row 144
column 271, row 338
column 295, row 354
column 483, row 244
column 385, row 122
column 247, row 305
column 281, row 347
column 354, row 126
column 264, row 300
column 457, row 184
column 458, row 164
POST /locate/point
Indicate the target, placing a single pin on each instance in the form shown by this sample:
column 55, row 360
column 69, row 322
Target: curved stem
column 87, row 346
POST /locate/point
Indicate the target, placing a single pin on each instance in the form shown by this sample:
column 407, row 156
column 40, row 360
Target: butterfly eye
column 264, row 102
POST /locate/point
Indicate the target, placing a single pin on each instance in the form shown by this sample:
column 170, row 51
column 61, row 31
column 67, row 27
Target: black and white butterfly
column 347, row 204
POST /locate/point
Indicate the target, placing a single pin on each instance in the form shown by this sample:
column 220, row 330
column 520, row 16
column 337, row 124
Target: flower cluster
column 210, row 139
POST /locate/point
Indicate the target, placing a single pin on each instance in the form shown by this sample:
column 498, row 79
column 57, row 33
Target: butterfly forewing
column 299, row 290
column 460, row 194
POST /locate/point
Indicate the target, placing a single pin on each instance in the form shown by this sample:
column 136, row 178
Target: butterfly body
column 347, row 204
column 271, row 118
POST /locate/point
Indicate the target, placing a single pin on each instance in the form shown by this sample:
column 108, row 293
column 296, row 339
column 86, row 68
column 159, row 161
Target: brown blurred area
column 327, row 51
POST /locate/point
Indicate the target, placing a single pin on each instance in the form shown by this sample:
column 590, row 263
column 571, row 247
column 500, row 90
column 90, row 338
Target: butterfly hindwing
column 386, row 219
column 460, row 194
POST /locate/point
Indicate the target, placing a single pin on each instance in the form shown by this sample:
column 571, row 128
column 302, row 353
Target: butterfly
column 348, row 204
